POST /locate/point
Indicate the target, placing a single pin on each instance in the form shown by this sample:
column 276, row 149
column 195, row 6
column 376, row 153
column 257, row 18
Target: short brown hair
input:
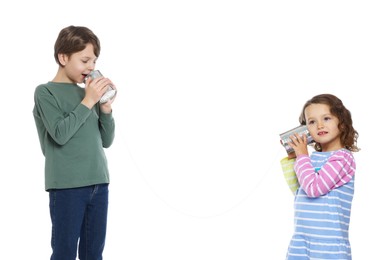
column 73, row 39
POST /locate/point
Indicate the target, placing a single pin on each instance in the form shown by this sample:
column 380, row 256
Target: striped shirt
column 323, row 206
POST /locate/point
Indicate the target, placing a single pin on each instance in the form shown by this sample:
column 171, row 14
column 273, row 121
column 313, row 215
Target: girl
column 325, row 181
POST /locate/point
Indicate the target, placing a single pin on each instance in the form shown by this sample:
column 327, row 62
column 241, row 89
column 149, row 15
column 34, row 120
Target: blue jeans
column 79, row 219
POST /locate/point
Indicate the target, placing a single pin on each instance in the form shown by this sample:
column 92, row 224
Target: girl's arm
column 289, row 174
column 337, row 171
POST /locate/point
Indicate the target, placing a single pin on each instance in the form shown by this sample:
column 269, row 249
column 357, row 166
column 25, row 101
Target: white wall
column 205, row 87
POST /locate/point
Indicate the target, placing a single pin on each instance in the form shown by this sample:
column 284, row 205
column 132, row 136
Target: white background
column 204, row 89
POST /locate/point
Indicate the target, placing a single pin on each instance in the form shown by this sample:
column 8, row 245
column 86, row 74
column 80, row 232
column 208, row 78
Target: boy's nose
column 91, row 66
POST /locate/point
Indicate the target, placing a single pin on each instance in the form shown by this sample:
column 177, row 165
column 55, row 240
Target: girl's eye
column 310, row 122
column 327, row 118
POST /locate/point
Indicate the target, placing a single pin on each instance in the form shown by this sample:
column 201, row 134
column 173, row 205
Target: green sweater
column 72, row 137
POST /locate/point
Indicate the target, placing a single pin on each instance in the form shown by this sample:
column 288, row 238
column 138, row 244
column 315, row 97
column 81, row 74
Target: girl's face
column 323, row 127
column 79, row 64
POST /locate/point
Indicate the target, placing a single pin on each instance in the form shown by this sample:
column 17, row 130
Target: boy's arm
column 106, row 121
column 289, row 173
column 107, row 129
column 60, row 127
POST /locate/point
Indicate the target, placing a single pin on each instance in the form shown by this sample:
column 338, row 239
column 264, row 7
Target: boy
column 73, row 128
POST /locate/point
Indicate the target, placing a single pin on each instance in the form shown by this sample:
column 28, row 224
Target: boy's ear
column 63, row 59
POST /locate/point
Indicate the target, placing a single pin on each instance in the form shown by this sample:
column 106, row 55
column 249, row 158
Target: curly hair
column 348, row 134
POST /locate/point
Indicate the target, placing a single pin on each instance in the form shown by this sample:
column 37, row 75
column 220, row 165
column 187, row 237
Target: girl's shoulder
column 341, row 153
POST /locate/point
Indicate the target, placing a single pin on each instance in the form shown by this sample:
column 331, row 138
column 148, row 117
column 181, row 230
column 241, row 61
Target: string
column 234, row 206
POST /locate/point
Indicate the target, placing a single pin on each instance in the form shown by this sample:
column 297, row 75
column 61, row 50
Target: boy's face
column 78, row 65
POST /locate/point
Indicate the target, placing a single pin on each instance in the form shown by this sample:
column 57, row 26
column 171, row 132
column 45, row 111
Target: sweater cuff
column 105, row 117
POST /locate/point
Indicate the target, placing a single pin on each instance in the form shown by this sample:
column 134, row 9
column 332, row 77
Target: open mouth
column 322, row 133
column 85, row 77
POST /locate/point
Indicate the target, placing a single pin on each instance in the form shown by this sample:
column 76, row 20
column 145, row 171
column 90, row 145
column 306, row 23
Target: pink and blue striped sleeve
column 337, row 171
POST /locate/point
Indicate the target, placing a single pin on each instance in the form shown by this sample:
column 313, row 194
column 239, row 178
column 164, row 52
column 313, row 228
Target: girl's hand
column 299, row 144
column 291, row 155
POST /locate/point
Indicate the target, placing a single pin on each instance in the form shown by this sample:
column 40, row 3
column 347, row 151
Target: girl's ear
column 63, row 59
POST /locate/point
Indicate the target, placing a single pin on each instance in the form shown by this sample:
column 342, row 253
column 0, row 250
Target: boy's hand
column 106, row 107
column 94, row 90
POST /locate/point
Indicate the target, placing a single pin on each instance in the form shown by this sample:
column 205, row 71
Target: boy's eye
column 310, row 122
